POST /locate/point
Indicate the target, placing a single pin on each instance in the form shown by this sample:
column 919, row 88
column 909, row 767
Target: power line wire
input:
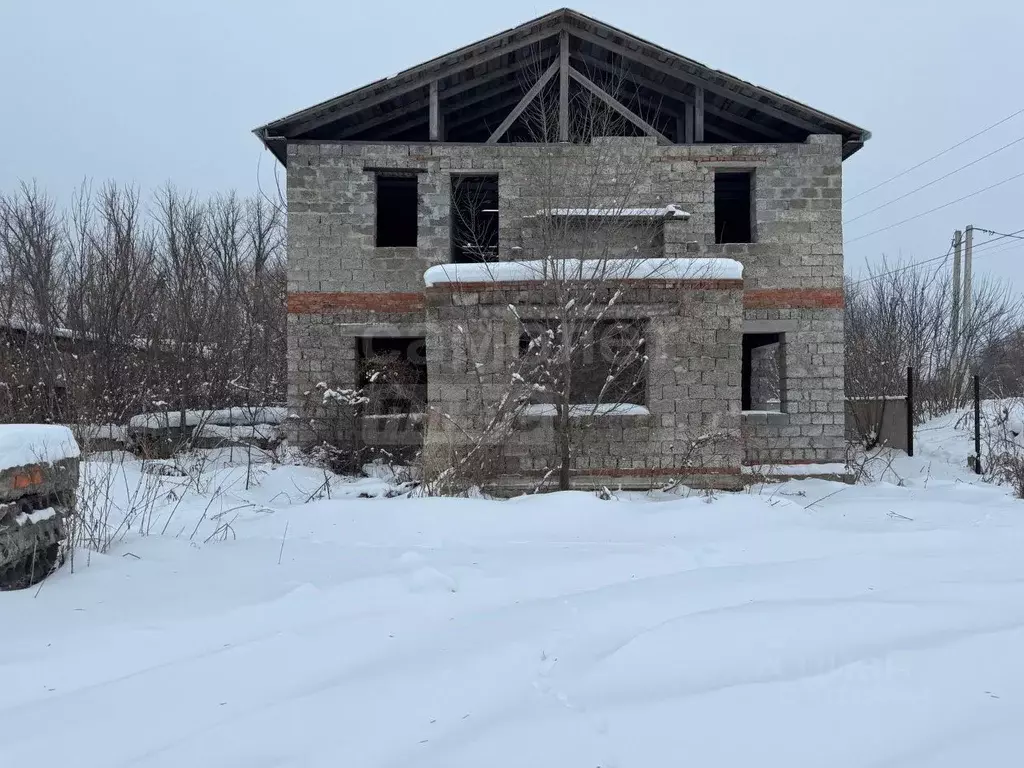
column 1004, row 248
column 936, row 208
column 904, row 268
column 935, row 156
column 978, row 249
column 935, row 181
column 1001, row 234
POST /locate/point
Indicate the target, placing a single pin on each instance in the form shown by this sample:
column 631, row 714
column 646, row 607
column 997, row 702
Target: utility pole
column 968, row 247
column 966, row 322
column 957, row 247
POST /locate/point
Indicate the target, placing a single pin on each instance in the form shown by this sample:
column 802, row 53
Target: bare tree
column 118, row 306
column 34, row 266
column 112, row 290
column 901, row 315
column 591, row 225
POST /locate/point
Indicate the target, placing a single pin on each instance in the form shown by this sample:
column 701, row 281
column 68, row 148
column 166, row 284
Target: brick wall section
column 331, row 204
column 322, row 347
column 322, row 303
column 794, row 298
column 340, row 285
column 693, row 336
column 798, row 209
column 325, row 303
column 812, row 426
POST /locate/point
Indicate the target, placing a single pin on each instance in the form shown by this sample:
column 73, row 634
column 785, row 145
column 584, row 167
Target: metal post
column 910, row 411
column 977, row 424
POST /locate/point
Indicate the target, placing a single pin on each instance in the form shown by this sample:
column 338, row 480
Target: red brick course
column 324, row 303
column 794, row 298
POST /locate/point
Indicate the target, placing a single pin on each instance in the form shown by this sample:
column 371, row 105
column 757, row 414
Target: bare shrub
column 901, row 315
column 1003, row 443
column 109, row 505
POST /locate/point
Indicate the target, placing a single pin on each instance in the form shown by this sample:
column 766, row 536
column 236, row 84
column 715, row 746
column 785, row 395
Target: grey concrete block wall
column 811, row 424
column 692, row 393
column 798, row 210
column 340, row 284
column 331, row 204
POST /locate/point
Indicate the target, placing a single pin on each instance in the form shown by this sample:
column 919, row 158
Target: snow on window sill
column 670, row 211
column 394, row 416
column 583, row 410
column 773, row 418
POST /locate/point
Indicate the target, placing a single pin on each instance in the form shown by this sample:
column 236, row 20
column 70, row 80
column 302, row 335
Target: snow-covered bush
column 380, row 421
column 1004, row 440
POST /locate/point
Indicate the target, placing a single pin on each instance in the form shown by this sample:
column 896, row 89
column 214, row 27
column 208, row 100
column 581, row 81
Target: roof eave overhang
column 278, row 145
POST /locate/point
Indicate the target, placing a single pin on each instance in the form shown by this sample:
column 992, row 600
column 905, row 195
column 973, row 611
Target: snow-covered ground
column 801, row 624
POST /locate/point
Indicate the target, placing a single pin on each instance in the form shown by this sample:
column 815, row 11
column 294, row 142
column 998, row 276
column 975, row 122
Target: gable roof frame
column 729, row 99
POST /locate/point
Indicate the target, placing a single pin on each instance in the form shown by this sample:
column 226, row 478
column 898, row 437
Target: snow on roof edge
column 585, row 269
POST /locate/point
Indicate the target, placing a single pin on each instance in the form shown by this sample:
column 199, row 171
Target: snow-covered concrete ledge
column 25, row 444
column 238, row 416
column 583, row 410
column 585, row 269
column 773, row 418
column 670, row 211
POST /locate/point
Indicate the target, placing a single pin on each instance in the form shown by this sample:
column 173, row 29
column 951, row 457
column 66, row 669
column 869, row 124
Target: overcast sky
column 147, row 92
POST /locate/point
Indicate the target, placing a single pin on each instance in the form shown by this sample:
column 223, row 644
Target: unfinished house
column 583, row 255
